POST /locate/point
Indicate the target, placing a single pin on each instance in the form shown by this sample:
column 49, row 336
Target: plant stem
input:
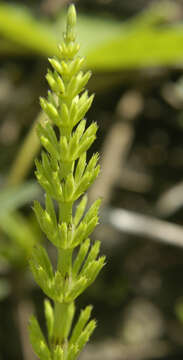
column 65, row 263
column 65, row 212
column 63, row 315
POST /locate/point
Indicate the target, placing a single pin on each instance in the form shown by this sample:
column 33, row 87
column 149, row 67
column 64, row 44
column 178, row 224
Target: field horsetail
column 65, row 176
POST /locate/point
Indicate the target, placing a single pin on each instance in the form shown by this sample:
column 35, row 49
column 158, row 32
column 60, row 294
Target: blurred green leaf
column 19, row 229
column 18, row 25
column 108, row 44
column 139, row 42
column 139, row 48
column 21, row 235
column 12, row 198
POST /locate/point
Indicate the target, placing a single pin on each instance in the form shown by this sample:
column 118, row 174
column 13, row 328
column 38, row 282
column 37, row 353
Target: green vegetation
column 135, row 56
column 108, row 44
column 65, row 176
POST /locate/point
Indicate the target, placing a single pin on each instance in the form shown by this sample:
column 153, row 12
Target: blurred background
column 135, row 51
